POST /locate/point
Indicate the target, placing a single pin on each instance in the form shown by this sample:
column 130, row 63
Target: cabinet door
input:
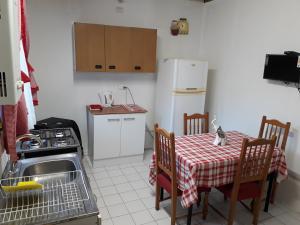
column 89, row 47
column 117, row 48
column 107, row 131
column 132, row 134
column 143, row 50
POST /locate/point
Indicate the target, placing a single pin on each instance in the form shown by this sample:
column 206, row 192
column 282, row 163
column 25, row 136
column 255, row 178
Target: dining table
column 200, row 163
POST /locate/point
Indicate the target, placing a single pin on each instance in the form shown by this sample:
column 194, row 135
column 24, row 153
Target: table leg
column 189, row 217
column 269, row 191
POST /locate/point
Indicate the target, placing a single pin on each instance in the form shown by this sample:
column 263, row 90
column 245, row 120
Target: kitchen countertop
column 118, row 109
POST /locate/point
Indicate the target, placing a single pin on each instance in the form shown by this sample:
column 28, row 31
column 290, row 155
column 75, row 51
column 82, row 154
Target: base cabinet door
column 107, row 131
column 132, row 134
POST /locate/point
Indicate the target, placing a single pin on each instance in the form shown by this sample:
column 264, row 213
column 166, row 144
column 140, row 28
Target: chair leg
column 205, row 206
column 173, row 206
column 161, row 194
column 189, row 217
column 232, row 210
column 257, row 205
column 157, row 196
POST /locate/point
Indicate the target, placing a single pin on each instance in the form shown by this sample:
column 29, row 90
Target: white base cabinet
column 116, row 135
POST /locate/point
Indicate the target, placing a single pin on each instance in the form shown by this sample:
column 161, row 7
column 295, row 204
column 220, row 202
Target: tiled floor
column 125, row 197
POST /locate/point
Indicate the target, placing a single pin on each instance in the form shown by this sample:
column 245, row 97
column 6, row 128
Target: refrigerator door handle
column 188, row 91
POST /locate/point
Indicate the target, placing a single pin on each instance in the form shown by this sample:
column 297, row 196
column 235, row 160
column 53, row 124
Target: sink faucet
column 13, row 169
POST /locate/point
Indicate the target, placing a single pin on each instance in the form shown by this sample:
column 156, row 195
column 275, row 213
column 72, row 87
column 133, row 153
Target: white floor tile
column 138, row 184
column 119, row 180
column 166, row 221
column 100, row 175
column 151, row 223
column 125, row 165
column 104, row 182
column 149, row 202
column 133, row 177
column 100, row 202
column 142, row 217
column 104, row 213
column 117, row 210
column 272, row 221
column 118, row 197
column 288, row 219
column 129, row 196
column 123, row 187
column 97, row 170
column 128, row 171
column 135, row 206
column 145, row 193
column 123, row 220
column 112, row 200
column 112, row 167
column 158, row 214
column 109, row 190
column 115, row 173
column 107, row 222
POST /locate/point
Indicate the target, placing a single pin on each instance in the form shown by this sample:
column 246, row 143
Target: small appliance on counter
column 52, row 142
column 106, row 98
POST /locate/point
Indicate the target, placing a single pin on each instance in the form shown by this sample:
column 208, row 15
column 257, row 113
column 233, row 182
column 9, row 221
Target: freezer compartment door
column 186, row 104
column 191, row 74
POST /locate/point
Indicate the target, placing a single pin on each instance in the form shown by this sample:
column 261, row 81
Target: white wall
column 237, row 35
column 64, row 93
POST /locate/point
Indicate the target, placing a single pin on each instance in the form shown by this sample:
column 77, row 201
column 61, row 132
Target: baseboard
column 116, row 161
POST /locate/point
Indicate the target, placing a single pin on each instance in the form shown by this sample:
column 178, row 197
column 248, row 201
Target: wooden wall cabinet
column 89, row 47
column 114, row 49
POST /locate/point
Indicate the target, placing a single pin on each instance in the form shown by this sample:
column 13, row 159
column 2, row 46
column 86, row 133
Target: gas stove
column 54, row 141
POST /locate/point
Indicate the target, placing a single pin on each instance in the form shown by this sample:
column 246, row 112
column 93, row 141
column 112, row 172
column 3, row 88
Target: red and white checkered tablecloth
column 200, row 163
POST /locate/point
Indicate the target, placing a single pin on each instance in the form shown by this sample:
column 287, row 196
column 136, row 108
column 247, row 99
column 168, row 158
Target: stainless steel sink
column 66, row 194
column 49, row 167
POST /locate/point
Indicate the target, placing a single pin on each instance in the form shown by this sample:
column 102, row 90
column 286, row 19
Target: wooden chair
column 166, row 178
column 251, row 174
column 195, row 123
column 268, row 128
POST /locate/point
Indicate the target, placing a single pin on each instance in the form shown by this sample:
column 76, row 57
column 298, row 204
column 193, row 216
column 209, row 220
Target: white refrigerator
column 181, row 88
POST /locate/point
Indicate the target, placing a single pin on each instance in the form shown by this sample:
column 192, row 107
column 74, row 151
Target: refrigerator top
column 190, row 74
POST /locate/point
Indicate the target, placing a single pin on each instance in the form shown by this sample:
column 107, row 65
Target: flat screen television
column 282, row 68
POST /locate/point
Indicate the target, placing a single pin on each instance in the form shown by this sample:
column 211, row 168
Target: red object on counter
column 96, row 107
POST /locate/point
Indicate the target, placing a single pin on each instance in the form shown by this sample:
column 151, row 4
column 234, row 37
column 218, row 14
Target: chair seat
column 164, row 181
column 246, row 191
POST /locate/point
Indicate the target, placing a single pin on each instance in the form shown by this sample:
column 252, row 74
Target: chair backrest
column 270, row 127
column 195, row 123
column 255, row 160
column 165, row 152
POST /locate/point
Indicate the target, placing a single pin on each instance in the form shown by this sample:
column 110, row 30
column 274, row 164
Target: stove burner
column 33, row 144
column 61, row 142
column 59, row 134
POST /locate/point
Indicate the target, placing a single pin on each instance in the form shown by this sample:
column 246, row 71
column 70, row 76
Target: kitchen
column 219, row 33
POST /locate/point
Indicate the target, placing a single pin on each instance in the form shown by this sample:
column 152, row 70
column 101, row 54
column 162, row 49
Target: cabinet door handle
column 137, row 68
column 128, row 119
column 97, row 66
column 113, row 120
column 112, row 67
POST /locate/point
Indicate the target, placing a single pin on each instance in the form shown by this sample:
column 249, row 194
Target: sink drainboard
column 62, row 196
